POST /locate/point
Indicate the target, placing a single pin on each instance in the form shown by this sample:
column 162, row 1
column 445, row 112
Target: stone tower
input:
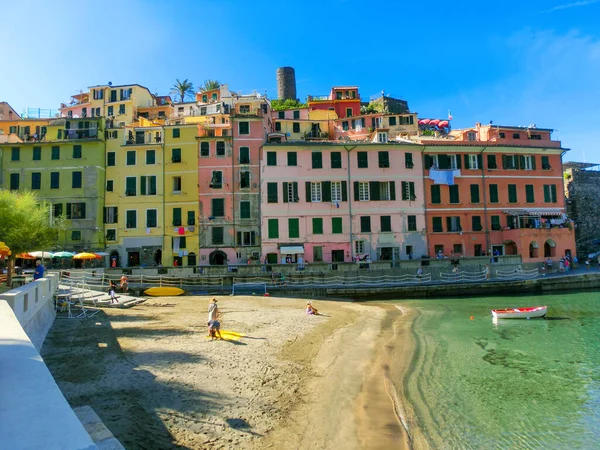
column 286, row 83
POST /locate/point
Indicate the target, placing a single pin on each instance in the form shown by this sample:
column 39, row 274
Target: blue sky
column 513, row 62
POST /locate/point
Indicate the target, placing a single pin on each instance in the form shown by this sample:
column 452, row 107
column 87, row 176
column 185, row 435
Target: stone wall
column 582, row 191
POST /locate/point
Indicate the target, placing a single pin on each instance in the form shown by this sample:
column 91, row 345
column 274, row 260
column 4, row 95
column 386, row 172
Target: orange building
column 488, row 197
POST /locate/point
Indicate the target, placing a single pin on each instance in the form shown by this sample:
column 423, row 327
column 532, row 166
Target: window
column 362, row 160
column 111, row 235
column 131, row 158
column 510, row 162
column 75, row 235
column 496, row 223
column 453, row 224
column 493, row 193
column 111, row 214
column 386, row 223
column 412, row 223
column 475, row 193
column 392, row 121
column 36, row 180
column 245, row 109
column 382, row 138
column 191, row 218
column 217, row 235
column 177, row 217
column 457, row 249
column 150, row 157
column 176, row 155
column 472, row 162
column 336, row 191
column 218, row 207
column 476, row 223
column 529, row 193
column 176, row 132
column 491, row 162
column 550, row 193
column 14, row 181
column 77, row 152
column 318, row 253
column 110, row 159
column 365, row 224
column 290, row 192
column 317, row 225
column 148, row 185
column 454, row 195
column 271, row 192
column 437, row 224
column 176, row 185
column 512, row 193
column 277, row 126
column 545, row 163
column 75, row 210
column 204, row 98
column 130, row 186
column 296, row 127
column 244, row 209
column 121, row 109
column 359, row 247
column 336, row 225
column 76, row 180
column 436, row 194
column 151, row 218
column 37, row 153
column 408, row 191
column 363, row 192
column 472, row 136
column 110, row 184
column 502, row 135
column 281, row 114
column 273, row 227
column 54, row 180
column 204, row 149
column 345, row 125
column 244, row 179
column 292, row 159
column 315, row 192
column 408, row 161
column 384, row 159
column 271, row 158
column 244, row 127
column 246, row 238
column 220, row 148
column 110, row 111
column 317, row 160
column 216, row 180
column 528, row 162
column 244, row 155
column 336, row 160
column 516, row 136
column 16, row 154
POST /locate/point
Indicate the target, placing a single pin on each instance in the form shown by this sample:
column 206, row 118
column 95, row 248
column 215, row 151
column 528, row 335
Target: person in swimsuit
column 310, row 309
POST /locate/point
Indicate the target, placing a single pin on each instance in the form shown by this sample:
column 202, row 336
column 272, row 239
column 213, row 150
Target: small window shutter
column 142, row 185
column 411, row 186
column 326, row 191
column 504, row 162
column 458, row 223
column 104, row 215
column 448, row 223
column 239, row 238
column 356, row 194
column 252, row 237
column 459, row 162
column 295, row 191
column 404, row 188
column 152, row 185
column 467, row 162
column 392, row 190
column 428, row 161
column 344, row 191
column 374, row 190
column 443, row 161
column 480, row 161
column 546, row 195
column 285, row 192
column 522, row 161
column 553, row 192
column 69, row 210
column 83, row 216
column 308, row 196
column 517, row 160
column 533, row 162
column 116, row 214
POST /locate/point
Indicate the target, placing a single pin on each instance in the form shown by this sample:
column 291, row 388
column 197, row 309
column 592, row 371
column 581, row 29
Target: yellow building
column 119, row 104
column 180, row 176
column 64, row 164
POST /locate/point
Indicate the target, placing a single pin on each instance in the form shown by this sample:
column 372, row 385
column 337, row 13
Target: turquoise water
column 515, row 384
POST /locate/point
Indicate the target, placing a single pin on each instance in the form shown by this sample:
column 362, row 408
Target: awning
column 535, row 212
column 292, row 250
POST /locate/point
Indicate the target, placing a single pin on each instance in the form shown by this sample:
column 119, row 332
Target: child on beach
column 214, row 329
column 124, row 283
column 112, row 287
column 311, row 310
column 213, row 310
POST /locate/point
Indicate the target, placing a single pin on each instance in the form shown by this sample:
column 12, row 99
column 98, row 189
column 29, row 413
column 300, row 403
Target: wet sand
column 294, row 381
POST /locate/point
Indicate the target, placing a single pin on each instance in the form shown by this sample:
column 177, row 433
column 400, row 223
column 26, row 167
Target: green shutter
column 336, row 160
column 384, row 159
column 317, row 160
column 476, row 223
column 474, row 193
column 522, row 161
column 271, row 158
column 245, row 210
column 307, row 192
column 454, row 194
column 272, row 193
column 336, row 225
column 467, row 166
column 529, row 193
column 365, row 224
column 317, row 223
column 512, row 193
column 493, row 193
column 504, row 162
column 344, row 191
column 533, row 164
column 491, row 161
column 218, row 207
column 443, row 161
column 362, row 160
column 408, row 161
column 393, row 189
column 479, row 161
column 142, row 185
column 273, row 225
column 404, row 188
column 436, row 194
column 152, row 185
column 326, row 191
column 292, row 158
column 437, row 224
column 411, row 191
column 545, row 163
column 285, row 192
column 295, row 191
column 385, row 223
column 458, row 162
column 374, row 190
column 177, row 217
column 553, row 193
column 294, row 228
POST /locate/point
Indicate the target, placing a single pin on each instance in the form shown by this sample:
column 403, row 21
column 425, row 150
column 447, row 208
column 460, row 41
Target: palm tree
column 183, row 88
column 209, row 85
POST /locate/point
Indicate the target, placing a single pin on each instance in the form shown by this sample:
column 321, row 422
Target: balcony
column 80, row 133
column 316, row 135
column 143, row 137
column 318, row 98
column 250, row 112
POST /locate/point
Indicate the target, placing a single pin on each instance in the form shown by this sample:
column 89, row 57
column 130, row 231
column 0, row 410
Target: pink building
column 228, row 177
column 332, row 202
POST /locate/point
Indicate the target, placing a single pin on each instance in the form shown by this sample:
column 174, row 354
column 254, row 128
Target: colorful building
column 332, row 202
column 344, row 100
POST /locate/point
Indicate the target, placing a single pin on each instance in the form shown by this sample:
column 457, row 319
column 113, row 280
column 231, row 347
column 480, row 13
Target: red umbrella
column 443, row 123
column 424, row 121
column 434, row 121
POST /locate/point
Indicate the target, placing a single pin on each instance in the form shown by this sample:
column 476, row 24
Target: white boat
column 520, row 313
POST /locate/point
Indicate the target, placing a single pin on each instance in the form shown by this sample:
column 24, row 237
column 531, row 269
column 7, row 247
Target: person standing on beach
column 214, row 329
column 39, row 271
column 213, row 310
column 112, row 288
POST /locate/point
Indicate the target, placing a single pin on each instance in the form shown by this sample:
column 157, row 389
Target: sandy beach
column 294, row 381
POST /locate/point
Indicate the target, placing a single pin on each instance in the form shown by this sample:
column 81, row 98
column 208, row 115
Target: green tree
column 209, row 85
column 183, row 88
column 282, row 105
column 25, row 224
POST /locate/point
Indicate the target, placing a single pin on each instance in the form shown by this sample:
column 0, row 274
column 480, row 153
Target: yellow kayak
column 164, row 291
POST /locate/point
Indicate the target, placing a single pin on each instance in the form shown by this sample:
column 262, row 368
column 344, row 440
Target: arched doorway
column 217, row 258
column 191, row 259
column 158, row 257
column 549, row 248
column 114, row 259
column 533, row 249
column 510, row 248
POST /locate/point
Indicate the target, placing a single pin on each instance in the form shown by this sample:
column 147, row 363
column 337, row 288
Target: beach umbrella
column 63, row 255
column 85, row 256
column 42, row 254
column 100, row 255
column 25, row 256
column 4, row 250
